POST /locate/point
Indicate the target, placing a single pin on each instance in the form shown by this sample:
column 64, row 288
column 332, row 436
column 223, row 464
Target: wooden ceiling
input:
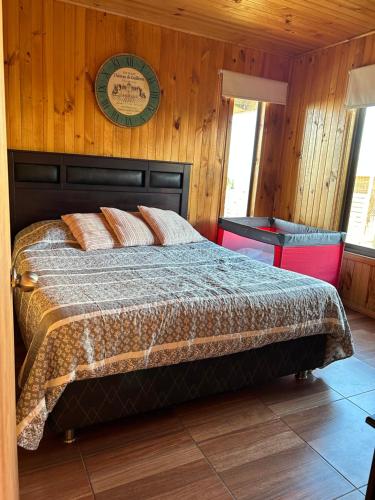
column 280, row 26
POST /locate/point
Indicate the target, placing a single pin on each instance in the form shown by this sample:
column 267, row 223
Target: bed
column 116, row 332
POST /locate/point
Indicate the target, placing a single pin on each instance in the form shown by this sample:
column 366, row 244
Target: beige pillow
column 130, row 228
column 169, row 227
column 91, row 231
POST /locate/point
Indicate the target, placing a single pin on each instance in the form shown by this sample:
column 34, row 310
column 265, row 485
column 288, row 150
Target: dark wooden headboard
column 47, row 185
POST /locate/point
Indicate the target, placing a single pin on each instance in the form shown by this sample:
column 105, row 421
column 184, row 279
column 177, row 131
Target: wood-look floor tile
column 138, row 460
column 338, row 432
column 362, row 323
column 66, row 481
column 366, row 359
column 353, row 495
column 51, row 451
column 364, row 340
column 348, row 377
column 353, row 315
column 127, row 430
column 287, row 395
column 188, row 481
column 366, row 401
column 296, row 473
column 250, row 444
column 223, row 414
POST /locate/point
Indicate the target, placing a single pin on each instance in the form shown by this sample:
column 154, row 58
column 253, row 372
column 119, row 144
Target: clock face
column 127, row 90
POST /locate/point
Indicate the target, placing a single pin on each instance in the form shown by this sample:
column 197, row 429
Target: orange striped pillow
column 91, row 231
column 169, row 227
column 129, row 228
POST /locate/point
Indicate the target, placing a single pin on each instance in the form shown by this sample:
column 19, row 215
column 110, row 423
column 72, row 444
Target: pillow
column 91, row 231
column 129, row 228
column 169, row 227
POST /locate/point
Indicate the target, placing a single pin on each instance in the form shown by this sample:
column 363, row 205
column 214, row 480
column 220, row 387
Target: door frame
column 8, row 443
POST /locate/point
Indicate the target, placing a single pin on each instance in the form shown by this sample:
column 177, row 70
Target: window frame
column 359, row 122
column 255, row 157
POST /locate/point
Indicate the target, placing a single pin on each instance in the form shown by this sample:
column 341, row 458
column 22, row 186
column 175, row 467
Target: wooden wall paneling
column 160, row 117
column 153, row 58
column 331, row 126
column 51, row 64
column 37, row 70
column 58, row 77
column 256, row 194
column 268, row 176
column 203, row 57
column 357, row 286
column 317, row 125
column 226, row 109
column 214, row 163
column 26, row 72
column 90, row 68
column 110, row 49
column 316, row 148
column 101, row 54
column 205, row 123
column 342, row 139
column 48, row 81
column 70, row 110
column 12, row 71
column 79, row 80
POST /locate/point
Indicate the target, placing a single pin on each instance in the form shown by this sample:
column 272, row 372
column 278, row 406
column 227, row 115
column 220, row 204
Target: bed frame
column 45, row 186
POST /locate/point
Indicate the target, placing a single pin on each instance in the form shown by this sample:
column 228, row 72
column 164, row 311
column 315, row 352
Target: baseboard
column 360, row 309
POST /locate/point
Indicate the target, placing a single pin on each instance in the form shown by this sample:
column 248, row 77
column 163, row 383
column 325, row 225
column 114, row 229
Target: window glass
column 361, row 226
column 240, row 160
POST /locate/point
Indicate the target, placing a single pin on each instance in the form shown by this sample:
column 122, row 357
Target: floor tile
column 363, row 490
column 353, row 495
column 353, row 315
column 348, row 377
column 366, row 401
column 362, row 323
column 66, row 481
column 247, row 445
column 51, row 451
column 338, row 432
column 270, row 461
column 140, row 460
column 287, row 395
column 189, row 481
column 223, row 414
column 282, row 475
column 364, row 341
column 125, row 431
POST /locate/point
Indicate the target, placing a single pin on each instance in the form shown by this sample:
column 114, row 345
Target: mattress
column 104, row 312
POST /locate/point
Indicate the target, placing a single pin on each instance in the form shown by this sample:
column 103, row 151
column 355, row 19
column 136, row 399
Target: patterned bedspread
column 109, row 311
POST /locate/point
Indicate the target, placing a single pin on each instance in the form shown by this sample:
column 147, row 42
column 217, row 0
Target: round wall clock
column 127, row 90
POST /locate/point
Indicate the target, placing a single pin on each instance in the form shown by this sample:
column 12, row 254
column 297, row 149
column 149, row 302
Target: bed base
column 104, row 399
column 70, row 434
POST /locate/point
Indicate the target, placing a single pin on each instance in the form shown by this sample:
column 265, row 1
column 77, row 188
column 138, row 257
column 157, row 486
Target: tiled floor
column 287, row 439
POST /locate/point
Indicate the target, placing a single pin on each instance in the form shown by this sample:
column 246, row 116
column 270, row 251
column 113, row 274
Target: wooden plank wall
column 315, row 152
column 358, row 283
column 53, row 51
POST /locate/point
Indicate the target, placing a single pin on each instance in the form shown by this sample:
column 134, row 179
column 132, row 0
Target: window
column 242, row 146
column 359, row 210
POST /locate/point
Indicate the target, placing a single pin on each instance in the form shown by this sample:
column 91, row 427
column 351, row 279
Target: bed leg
column 303, row 374
column 69, row 436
